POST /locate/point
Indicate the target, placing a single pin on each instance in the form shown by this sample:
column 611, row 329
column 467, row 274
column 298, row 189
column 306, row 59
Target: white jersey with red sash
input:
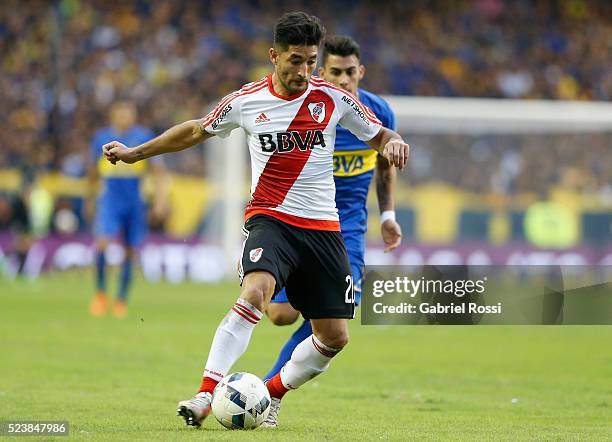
column 291, row 143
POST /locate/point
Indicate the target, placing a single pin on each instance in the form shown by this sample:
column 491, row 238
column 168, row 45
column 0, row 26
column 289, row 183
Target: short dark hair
column 341, row 45
column 298, row 28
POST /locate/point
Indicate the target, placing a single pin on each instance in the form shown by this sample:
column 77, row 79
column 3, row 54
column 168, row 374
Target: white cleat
column 272, row 419
column 195, row 410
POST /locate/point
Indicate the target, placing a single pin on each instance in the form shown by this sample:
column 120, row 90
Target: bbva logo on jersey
column 287, row 141
column 317, row 111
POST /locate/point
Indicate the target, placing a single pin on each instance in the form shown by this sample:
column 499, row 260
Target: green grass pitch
column 121, row 379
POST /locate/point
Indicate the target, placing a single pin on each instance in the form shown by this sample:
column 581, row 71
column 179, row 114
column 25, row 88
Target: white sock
column 309, row 359
column 231, row 339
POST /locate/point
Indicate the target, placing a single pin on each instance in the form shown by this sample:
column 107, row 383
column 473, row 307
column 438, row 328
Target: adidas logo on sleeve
column 262, row 118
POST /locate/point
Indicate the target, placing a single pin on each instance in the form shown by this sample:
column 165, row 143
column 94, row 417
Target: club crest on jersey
column 317, row 111
column 255, row 254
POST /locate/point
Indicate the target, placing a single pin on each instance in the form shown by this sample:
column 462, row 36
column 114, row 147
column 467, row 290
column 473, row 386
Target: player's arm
column 385, row 192
column 175, row 139
column 391, row 146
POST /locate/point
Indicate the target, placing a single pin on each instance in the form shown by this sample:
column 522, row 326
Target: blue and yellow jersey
column 354, row 164
column 121, row 182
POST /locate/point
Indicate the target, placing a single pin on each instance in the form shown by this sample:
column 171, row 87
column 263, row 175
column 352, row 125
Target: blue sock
column 126, row 279
column 100, row 272
column 298, row 336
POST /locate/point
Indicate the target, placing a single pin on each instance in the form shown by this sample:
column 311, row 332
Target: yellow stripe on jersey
column 354, row 162
column 121, row 169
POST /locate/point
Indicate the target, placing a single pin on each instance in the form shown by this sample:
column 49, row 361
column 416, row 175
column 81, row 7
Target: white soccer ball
column 241, row 401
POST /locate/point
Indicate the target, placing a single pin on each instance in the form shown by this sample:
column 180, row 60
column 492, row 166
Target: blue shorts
column 115, row 218
column 355, row 246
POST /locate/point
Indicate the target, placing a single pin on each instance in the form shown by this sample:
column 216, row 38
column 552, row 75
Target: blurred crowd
column 516, row 164
column 63, row 63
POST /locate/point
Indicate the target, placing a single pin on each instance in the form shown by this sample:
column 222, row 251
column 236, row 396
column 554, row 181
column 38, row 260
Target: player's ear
column 361, row 71
column 273, row 56
column 321, row 71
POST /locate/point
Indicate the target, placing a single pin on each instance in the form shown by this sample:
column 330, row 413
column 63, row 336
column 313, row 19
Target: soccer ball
column 241, row 401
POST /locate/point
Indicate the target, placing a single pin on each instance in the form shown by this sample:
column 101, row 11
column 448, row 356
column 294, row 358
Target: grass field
column 121, row 379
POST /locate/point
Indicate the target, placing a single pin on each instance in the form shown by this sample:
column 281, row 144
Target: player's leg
column 134, row 230
column 312, row 356
column 125, row 282
column 328, row 301
column 262, row 272
column 229, row 343
column 281, row 312
column 99, row 304
column 101, row 245
column 234, row 332
column 125, row 279
column 106, row 226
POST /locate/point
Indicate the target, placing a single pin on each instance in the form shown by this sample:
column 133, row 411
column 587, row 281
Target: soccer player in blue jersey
column 120, row 208
column 354, row 165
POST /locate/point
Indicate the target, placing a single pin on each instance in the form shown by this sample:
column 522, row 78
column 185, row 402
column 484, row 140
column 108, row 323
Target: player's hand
column 396, row 152
column 392, row 234
column 115, row 151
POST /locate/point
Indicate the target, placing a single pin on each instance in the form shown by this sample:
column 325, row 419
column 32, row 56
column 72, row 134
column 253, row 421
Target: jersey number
column 349, row 295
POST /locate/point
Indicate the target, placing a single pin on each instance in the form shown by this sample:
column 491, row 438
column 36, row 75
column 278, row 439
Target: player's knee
column 338, row 339
column 257, row 289
column 254, row 295
column 280, row 315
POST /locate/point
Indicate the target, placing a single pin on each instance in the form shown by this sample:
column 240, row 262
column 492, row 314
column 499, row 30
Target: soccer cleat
column 98, row 305
column 120, row 309
column 195, row 410
column 272, row 419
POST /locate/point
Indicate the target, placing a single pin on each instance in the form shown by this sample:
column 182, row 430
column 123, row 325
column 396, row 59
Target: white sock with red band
column 309, row 359
column 231, row 340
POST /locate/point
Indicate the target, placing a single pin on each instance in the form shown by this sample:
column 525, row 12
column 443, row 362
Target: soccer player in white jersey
column 291, row 225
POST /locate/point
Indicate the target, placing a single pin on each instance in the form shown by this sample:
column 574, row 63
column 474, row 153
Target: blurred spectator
column 26, row 215
column 513, row 164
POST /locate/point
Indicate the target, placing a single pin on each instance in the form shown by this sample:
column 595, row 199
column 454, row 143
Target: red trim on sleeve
column 246, row 90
